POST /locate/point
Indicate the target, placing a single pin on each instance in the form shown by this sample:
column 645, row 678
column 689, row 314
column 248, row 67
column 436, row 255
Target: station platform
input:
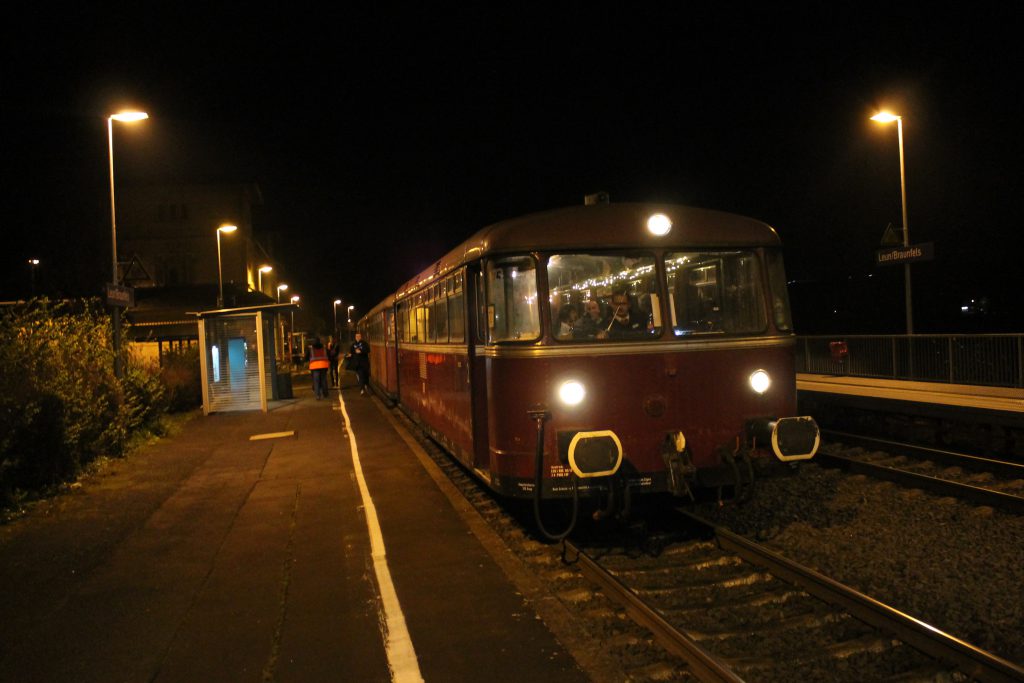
column 1000, row 399
column 310, row 543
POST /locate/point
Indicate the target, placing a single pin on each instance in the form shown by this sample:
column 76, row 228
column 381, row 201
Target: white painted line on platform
column 271, row 435
column 397, row 641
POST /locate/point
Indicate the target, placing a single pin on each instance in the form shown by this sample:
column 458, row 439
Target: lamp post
column 280, row 321
column 220, row 274
column 124, row 117
column 32, row 263
column 337, row 302
column 889, row 117
column 263, row 269
column 350, row 314
column 291, row 344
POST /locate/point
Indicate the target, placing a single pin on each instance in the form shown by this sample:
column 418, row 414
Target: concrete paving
column 212, row 557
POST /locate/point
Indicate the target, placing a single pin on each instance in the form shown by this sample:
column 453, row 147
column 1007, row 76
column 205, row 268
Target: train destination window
column 599, row 297
column 715, row 292
column 512, row 313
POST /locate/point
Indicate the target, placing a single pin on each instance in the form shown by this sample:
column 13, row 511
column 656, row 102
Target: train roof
column 602, row 226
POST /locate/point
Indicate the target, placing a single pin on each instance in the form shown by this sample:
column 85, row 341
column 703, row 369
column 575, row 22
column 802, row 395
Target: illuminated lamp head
column 659, row 225
column 572, row 392
column 760, row 381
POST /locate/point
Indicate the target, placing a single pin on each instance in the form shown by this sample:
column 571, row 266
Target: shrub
column 60, row 403
column 181, row 378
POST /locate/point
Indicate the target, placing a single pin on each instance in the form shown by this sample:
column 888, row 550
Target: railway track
column 723, row 608
column 735, row 610
column 983, row 481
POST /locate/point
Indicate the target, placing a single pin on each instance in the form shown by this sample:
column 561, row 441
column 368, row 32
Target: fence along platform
column 991, row 360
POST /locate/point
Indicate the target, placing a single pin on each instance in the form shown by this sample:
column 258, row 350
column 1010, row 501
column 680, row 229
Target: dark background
column 382, row 138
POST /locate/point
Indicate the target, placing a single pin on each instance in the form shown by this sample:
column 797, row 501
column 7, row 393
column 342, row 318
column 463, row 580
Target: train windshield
column 598, row 297
column 512, row 312
column 715, row 292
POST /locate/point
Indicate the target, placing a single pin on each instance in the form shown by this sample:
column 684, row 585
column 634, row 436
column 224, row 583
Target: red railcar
column 600, row 348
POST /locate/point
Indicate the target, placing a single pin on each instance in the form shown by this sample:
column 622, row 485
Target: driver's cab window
column 607, row 296
column 715, row 293
column 512, row 313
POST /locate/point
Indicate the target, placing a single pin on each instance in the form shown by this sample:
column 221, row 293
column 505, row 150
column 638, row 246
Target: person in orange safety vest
column 318, row 365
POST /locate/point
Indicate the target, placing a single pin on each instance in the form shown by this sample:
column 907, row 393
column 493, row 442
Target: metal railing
column 995, row 360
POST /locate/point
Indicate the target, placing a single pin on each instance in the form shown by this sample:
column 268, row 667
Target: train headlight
column 760, row 381
column 572, row 392
column 659, row 224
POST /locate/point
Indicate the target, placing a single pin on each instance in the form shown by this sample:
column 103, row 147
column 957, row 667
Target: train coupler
column 679, row 463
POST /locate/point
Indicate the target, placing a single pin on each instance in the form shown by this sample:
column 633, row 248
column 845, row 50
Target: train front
column 661, row 369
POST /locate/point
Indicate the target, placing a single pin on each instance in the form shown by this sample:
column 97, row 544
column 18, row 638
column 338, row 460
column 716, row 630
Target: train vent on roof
column 597, row 198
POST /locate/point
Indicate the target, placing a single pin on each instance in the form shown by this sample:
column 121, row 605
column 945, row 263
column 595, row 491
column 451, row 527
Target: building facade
column 167, row 250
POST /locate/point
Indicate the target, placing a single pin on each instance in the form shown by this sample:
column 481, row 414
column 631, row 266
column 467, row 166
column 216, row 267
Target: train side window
column 457, row 316
column 440, row 319
column 422, row 318
column 512, row 310
column 779, row 294
column 715, row 293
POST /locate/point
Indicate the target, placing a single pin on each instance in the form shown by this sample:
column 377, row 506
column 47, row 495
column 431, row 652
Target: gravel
column 954, row 565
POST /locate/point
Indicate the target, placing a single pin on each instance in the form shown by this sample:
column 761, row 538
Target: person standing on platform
column 318, row 364
column 333, row 352
column 359, row 361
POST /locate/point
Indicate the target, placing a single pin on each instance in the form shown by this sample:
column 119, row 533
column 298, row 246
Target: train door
column 390, row 352
column 475, row 337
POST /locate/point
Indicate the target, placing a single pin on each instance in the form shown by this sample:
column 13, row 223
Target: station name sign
column 119, row 295
column 914, row 252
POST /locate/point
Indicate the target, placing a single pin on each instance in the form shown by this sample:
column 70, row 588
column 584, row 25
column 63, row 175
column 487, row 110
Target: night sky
column 381, row 138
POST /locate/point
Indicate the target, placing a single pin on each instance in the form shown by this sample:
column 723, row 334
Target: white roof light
column 659, row 224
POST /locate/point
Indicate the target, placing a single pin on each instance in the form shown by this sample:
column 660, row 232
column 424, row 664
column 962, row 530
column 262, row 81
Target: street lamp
column 350, row 314
column 295, row 300
column 337, row 302
column 889, row 117
column 220, row 274
column 124, row 117
column 280, row 288
column 263, row 269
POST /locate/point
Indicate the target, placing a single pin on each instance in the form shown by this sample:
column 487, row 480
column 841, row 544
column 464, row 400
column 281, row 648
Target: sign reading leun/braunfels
column 914, row 252
column 119, row 295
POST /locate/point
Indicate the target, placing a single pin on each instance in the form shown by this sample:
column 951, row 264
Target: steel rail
column 704, row 665
column 975, row 494
column 1003, row 468
column 971, row 660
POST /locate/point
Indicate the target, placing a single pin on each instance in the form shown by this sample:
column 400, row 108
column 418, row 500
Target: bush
column 60, row 404
column 181, row 378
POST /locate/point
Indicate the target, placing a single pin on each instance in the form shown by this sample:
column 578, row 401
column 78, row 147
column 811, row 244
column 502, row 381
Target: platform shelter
column 238, row 363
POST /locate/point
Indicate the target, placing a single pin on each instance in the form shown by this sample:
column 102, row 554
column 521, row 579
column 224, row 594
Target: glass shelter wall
column 235, row 378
